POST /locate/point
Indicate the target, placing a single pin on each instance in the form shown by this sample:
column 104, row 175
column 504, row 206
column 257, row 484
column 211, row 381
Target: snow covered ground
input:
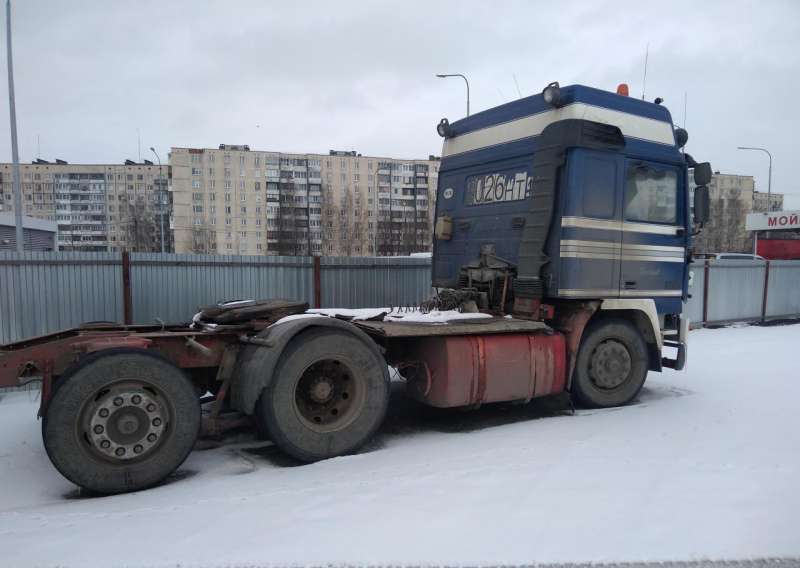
column 705, row 465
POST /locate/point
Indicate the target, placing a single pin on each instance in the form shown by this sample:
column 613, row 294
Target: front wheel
column 122, row 421
column 327, row 397
column 611, row 366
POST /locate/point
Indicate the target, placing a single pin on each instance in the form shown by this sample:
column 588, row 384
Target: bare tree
column 140, row 228
column 203, row 240
column 725, row 231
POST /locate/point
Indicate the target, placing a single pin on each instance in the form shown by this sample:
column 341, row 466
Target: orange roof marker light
column 622, row 89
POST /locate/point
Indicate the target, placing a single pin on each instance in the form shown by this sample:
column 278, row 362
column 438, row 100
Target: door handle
column 630, row 284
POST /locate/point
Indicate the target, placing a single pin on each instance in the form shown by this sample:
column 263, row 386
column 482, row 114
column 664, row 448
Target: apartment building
column 97, row 207
column 732, row 198
column 767, row 201
column 234, row 200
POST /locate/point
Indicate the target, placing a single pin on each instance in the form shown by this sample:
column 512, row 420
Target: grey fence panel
column 171, row 287
column 693, row 308
column 736, row 290
column 42, row 292
column 783, row 292
column 374, row 282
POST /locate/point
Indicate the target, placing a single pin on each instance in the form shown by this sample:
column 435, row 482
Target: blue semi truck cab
column 572, row 197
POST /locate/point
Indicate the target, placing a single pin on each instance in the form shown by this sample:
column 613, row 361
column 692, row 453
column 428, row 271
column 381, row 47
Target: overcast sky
column 313, row 76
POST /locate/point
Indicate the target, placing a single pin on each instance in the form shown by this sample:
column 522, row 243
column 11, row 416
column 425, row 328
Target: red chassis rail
column 49, row 356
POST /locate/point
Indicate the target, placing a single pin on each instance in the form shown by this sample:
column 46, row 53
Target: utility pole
column 14, row 148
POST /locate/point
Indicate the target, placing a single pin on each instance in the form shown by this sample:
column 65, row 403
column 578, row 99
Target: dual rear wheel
column 125, row 420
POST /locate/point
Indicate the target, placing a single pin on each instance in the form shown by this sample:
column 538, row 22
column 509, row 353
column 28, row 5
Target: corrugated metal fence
column 42, row 292
column 744, row 290
column 45, row 292
column 171, row 287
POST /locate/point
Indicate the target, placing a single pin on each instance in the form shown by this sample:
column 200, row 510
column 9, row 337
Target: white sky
column 312, row 76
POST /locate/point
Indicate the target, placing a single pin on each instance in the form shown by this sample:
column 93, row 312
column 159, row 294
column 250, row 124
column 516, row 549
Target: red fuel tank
column 473, row 369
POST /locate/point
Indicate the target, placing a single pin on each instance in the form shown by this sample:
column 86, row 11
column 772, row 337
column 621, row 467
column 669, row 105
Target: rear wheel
column 327, row 396
column 122, row 421
column 611, row 366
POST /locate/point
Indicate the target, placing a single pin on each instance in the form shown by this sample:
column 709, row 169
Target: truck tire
column 611, row 365
column 327, row 397
column 122, row 421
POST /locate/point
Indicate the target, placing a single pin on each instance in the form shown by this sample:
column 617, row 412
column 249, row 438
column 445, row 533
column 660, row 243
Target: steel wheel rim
column 328, row 396
column 125, row 422
column 610, row 365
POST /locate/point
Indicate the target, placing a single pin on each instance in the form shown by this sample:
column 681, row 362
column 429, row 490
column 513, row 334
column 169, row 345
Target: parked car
column 728, row 256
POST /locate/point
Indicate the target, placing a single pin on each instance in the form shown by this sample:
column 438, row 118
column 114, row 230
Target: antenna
column 685, row 98
column 502, row 96
column 517, row 85
column 38, row 147
column 644, row 79
column 139, row 144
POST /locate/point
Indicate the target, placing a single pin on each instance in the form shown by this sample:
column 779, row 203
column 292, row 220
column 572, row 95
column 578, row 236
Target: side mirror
column 702, row 205
column 702, row 173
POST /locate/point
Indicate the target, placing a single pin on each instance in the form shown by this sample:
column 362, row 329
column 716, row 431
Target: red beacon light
column 622, row 89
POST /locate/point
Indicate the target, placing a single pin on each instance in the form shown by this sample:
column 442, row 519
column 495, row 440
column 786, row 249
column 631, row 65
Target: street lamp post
column 160, row 197
column 444, row 75
column 769, row 179
column 15, row 176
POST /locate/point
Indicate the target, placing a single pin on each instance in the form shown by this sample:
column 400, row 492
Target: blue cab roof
column 569, row 94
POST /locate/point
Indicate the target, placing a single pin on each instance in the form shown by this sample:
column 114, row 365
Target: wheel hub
column 321, row 390
column 610, row 364
column 325, row 396
column 126, row 424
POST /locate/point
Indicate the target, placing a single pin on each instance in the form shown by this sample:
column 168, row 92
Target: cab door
column 591, row 221
column 653, row 236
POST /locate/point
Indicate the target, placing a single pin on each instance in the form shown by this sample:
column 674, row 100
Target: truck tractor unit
column 564, row 217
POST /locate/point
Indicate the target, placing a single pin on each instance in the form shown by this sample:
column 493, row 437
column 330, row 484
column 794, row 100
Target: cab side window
column 600, row 183
column 651, row 194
